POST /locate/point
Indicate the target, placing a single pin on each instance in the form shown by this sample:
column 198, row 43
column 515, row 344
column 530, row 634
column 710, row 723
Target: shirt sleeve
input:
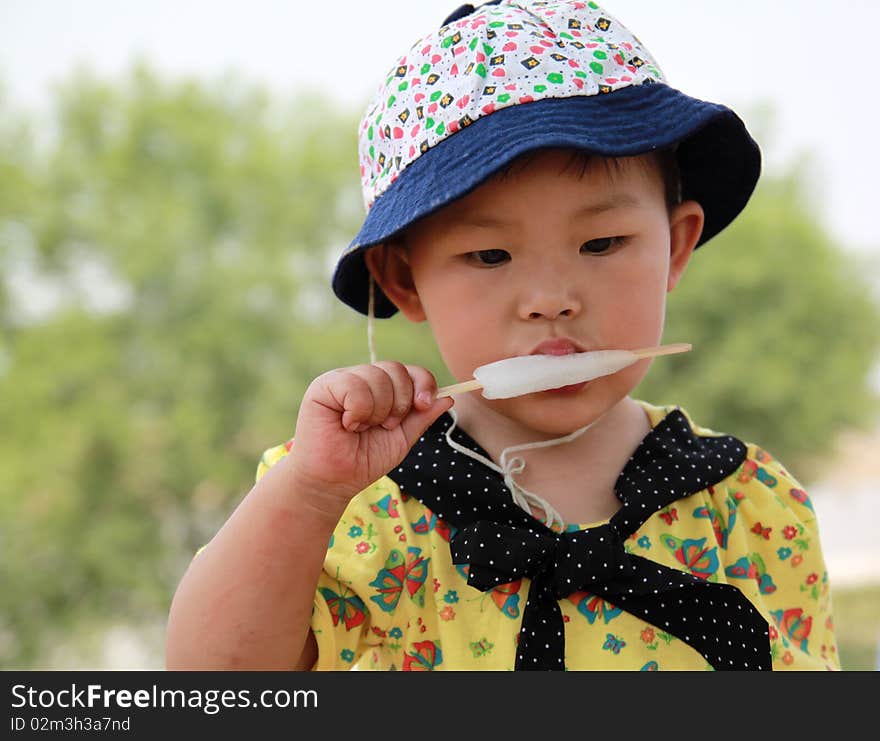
column 775, row 557
column 350, row 615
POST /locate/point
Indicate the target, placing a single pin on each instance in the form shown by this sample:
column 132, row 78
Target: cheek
column 463, row 343
column 462, row 313
column 460, row 325
column 632, row 300
column 632, row 317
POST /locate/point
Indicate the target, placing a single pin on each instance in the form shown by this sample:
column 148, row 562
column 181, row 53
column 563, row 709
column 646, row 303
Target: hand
column 356, row 424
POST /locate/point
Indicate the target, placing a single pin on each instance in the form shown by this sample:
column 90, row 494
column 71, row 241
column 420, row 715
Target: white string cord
column 371, row 316
column 523, row 498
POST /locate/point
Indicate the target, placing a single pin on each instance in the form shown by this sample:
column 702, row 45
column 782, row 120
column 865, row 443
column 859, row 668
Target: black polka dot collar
column 500, row 543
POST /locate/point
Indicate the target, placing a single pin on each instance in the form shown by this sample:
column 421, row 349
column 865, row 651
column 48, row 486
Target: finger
column 419, row 420
column 403, row 391
column 382, row 388
column 425, row 386
column 354, row 397
column 351, row 395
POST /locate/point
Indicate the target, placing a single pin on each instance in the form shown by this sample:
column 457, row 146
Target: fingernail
column 426, row 397
column 362, row 428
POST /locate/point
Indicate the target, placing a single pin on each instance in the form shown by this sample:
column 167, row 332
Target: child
column 533, row 186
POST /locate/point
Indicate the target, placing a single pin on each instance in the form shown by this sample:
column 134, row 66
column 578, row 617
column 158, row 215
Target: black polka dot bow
column 501, row 543
column 568, row 562
column 715, row 619
column 557, row 563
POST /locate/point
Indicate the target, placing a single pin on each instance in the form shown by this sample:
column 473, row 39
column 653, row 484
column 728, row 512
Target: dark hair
column 666, row 161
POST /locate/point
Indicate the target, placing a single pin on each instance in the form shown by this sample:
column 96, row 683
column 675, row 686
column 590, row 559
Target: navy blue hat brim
column 718, row 160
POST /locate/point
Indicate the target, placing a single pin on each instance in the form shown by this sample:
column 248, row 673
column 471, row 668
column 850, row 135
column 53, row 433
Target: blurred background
column 176, row 182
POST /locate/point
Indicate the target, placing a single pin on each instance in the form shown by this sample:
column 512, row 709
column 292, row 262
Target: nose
column 550, row 293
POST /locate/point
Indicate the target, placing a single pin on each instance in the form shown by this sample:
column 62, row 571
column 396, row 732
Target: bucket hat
column 505, row 78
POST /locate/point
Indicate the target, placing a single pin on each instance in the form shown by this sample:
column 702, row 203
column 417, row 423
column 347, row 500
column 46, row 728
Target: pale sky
column 814, row 61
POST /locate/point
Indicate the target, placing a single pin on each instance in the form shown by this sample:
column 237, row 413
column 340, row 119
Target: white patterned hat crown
column 499, row 55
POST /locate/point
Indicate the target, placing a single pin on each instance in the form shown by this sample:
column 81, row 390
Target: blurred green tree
column 785, row 325
column 186, row 231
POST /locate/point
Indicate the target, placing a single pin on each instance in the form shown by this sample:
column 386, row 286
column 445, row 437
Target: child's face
column 547, row 251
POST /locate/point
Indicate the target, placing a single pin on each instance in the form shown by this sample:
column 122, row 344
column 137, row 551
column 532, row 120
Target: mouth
column 557, row 346
column 572, row 389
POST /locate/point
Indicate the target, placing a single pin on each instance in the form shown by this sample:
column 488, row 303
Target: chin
column 556, row 414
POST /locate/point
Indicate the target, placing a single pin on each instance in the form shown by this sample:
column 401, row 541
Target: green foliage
column 138, row 426
column 136, row 411
column 785, row 327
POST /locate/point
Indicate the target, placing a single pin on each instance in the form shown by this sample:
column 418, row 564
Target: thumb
column 416, row 422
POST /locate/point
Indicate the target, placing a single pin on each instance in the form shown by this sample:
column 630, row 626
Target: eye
column 602, row 245
column 489, row 257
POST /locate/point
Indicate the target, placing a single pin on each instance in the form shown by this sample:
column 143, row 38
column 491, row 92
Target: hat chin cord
column 523, row 498
column 371, row 320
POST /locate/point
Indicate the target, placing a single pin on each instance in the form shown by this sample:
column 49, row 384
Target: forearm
column 245, row 602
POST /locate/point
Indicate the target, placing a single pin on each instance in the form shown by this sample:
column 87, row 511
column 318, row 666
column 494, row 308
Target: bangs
column 582, row 162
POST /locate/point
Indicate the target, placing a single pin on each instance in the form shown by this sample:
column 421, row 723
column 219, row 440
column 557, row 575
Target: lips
column 557, row 346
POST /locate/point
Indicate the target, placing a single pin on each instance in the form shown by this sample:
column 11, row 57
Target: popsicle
column 528, row 374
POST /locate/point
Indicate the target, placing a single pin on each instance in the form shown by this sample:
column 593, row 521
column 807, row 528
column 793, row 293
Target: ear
column 389, row 265
column 685, row 227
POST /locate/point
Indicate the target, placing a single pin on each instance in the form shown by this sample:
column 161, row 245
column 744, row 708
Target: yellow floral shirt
column 390, row 597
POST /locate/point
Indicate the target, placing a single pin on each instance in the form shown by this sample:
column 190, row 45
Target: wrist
column 327, row 500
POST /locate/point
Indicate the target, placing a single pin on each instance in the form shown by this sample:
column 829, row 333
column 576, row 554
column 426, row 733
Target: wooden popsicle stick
column 645, row 352
column 653, row 352
column 459, row 388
